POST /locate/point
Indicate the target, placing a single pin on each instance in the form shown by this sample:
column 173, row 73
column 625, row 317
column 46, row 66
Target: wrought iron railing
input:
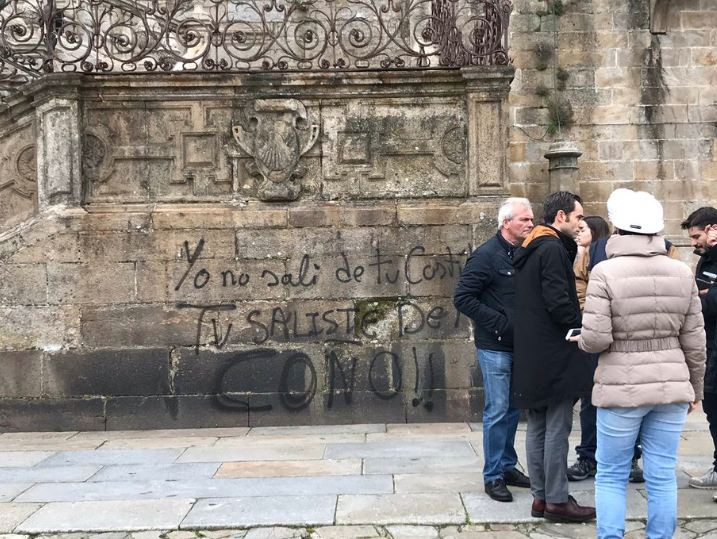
column 106, row 36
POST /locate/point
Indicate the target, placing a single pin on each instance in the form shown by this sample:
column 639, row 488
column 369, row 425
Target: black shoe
column 516, row 478
column 636, row 475
column 582, row 469
column 498, row 491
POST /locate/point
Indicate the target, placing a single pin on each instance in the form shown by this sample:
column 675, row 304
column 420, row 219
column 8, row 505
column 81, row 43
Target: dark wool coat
column 708, row 263
column 547, row 368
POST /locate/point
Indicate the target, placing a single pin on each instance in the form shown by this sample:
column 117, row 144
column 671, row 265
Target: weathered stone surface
column 164, row 472
column 22, row 374
column 109, row 373
column 181, row 411
column 289, row 468
column 12, row 514
column 268, row 510
column 18, row 168
column 80, row 283
column 39, row 327
column 107, row 516
column 403, row 177
column 400, row 509
column 61, row 414
column 23, row 284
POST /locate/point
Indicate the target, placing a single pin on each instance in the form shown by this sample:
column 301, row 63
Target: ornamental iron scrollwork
column 110, row 36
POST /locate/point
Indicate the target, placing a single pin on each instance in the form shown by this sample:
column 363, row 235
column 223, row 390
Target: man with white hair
column 485, row 294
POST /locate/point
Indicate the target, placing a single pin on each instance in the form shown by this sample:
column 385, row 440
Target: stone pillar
column 563, row 166
column 486, row 95
column 58, row 146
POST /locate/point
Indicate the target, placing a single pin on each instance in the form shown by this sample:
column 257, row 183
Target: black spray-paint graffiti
column 298, row 383
column 415, row 268
column 341, row 330
column 341, row 325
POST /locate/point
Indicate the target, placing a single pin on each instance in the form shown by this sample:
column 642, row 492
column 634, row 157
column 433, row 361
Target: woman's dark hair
column 560, row 200
column 598, row 227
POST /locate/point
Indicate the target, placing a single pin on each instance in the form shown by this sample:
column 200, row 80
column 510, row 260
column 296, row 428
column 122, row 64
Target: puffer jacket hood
column 643, row 315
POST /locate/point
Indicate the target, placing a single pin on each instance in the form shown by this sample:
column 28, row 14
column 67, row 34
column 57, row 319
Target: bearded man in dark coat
column 549, row 372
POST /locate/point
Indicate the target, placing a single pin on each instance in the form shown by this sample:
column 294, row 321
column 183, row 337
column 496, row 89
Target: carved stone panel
column 163, row 152
column 18, row 175
column 266, row 149
column 394, row 148
column 275, row 133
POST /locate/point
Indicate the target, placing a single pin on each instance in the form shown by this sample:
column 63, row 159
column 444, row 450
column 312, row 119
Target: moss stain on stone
column 377, row 308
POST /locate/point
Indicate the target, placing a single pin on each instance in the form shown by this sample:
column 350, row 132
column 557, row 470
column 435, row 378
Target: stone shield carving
column 276, row 133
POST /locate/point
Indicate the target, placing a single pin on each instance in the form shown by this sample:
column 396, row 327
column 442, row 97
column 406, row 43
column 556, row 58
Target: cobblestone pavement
column 688, row 529
column 342, row 481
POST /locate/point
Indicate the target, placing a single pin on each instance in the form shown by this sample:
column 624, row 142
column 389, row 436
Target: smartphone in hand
column 574, row 332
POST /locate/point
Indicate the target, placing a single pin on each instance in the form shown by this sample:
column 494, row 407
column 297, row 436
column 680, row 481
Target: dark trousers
column 709, row 405
column 588, row 431
column 546, row 448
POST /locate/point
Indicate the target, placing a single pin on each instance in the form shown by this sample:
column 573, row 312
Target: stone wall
column 246, row 250
column 641, row 80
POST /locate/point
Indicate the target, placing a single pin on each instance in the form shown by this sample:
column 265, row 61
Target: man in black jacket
column 549, row 373
column 695, row 224
column 485, row 294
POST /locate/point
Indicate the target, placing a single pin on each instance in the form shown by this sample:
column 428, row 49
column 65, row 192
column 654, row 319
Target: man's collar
column 505, row 242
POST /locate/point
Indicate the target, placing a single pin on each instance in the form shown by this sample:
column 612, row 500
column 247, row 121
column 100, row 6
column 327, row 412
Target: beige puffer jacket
column 643, row 315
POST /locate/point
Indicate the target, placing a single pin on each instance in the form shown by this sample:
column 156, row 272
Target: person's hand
column 574, row 339
column 693, row 406
column 704, row 291
column 711, row 231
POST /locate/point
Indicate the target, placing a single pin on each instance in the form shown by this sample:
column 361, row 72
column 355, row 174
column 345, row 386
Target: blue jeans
column 500, row 421
column 659, row 427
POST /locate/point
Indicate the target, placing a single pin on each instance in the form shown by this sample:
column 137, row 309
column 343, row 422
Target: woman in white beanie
column 643, row 316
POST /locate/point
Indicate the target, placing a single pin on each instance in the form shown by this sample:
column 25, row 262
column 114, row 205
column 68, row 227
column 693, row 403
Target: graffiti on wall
column 346, row 346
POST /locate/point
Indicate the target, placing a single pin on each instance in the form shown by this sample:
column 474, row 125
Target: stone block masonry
column 642, row 96
column 230, row 253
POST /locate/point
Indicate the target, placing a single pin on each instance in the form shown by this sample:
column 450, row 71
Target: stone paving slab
column 36, row 436
column 214, row 432
column 8, row 491
column 47, row 474
column 290, row 468
column 420, row 465
column 114, row 456
column 408, row 532
column 23, row 459
column 421, row 437
column 427, row 428
column 268, row 510
column 345, row 532
column 207, row 488
column 107, row 516
column 400, row 509
column 481, row 508
column 159, row 443
column 288, row 442
column 276, row 533
column 696, row 503
column 12, row 514
column 48, row 445
column 311, row 430
column 444, row 482
column 255, row 452
column 163, row 472
column 446, row 450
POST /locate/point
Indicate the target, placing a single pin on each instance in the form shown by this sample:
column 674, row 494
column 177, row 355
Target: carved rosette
column 275, row 133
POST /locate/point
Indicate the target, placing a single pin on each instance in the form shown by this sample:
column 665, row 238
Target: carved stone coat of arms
column 276, row 133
